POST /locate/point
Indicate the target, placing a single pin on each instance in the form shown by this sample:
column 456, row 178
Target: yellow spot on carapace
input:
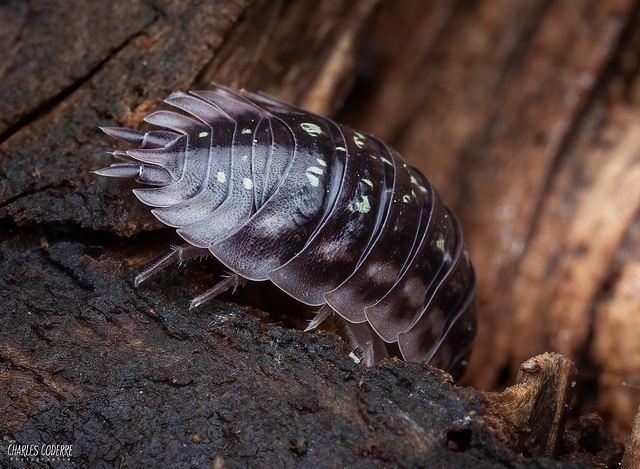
column 222, row 178
column 423, row 189
column 312, row 129
column 247, row 183
column 358, row 139
column 406, row 198
column 321, row 162
column 413, row 180
column 363, row 206
column 341, row 149
column 203, row 134
column 440, row 244
column 367, row 182
column 386, row 160
column 313, row 179
column 312, row 172
column 246, row 131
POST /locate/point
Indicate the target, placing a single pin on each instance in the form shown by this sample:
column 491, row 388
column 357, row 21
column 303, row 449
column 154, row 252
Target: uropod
column 333, row 217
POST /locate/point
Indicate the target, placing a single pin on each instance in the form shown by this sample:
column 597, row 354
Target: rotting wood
column 631, row 458
column 137, row 372
column 530, row 415
column 524, row 116
column 516, row 110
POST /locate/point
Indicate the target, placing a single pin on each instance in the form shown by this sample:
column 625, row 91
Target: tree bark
column 522, row 114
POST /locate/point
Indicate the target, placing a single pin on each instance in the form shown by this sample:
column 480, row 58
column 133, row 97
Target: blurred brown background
column 524, row 115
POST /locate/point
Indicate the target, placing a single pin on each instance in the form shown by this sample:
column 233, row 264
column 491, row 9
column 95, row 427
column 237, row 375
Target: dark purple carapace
column 332, row 216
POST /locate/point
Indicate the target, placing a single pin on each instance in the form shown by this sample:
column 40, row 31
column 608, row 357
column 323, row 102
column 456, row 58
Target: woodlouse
column 332, row 216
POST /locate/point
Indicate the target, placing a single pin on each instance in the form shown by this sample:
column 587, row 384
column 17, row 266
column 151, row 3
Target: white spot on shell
column 406, row 198
column 355, row 358
column 440, row 244
column 380, row 272
column 367, row 182
column 313, row 179
column 203, row 134
column 332, row 250
column 341, row 149
column 314, row 170
column 312, row 129
column 222, row 178
column 386, row 161
column 247, row 183
column 363, row 206
column 321, row 162
column 413, row 180
column 358, row 139
column 246, row 131
column 413, row 290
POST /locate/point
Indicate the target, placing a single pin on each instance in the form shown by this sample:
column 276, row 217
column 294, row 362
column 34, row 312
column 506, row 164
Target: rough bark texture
column 525, row 117
column 133, row 378
column 632, row 450
column 523, row 114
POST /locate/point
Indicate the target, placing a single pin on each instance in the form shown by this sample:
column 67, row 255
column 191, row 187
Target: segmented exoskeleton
column 331, row 216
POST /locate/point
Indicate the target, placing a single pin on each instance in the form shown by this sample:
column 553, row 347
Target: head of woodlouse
column 331, row 216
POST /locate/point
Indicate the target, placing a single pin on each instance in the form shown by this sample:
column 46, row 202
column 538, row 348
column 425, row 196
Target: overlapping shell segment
column 330, row 215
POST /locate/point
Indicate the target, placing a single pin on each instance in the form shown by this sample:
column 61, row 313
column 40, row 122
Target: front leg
column 181, row 253
column 233, row 280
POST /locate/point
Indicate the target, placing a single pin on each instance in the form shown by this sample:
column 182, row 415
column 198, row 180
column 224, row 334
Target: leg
column 180, row 253
column 373, row 347
column 323, row 313
column 233, row 280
